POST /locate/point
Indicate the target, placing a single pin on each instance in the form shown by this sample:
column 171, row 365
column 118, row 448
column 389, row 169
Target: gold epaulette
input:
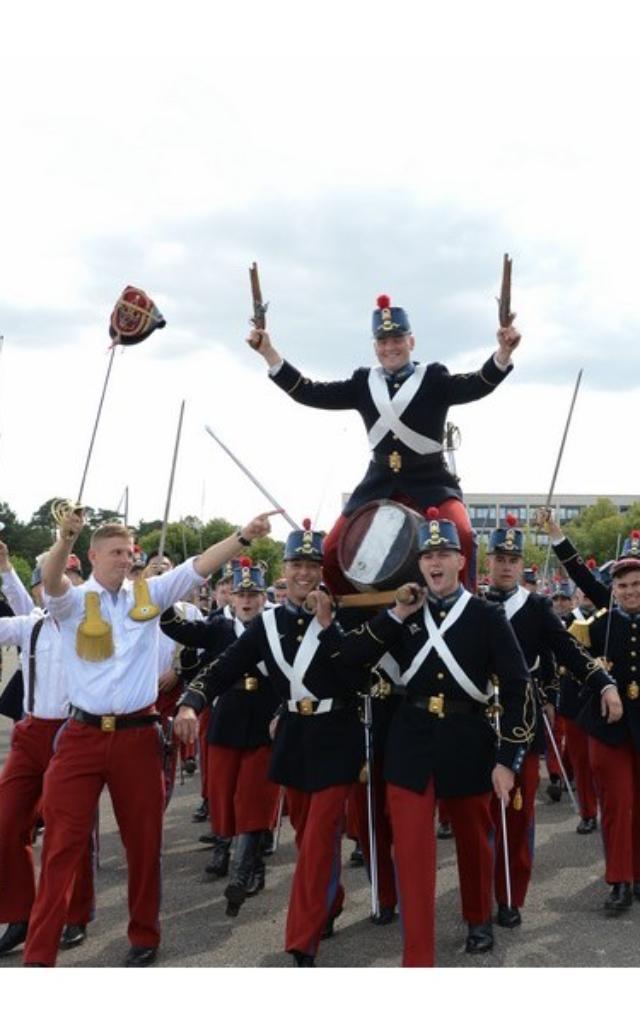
column 143, row 609
column 580, row 632
column 94, row 638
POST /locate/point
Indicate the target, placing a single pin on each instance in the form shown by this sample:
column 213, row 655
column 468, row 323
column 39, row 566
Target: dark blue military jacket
column 620, row 643
column 425, row 479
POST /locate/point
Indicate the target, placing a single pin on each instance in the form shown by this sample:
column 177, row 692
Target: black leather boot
column 201, row 813
column 586, row 826
column 257, row 880
column 219, row 866
column 14, row 936
column 245, row 856
column 619, row 899
column 508, row 917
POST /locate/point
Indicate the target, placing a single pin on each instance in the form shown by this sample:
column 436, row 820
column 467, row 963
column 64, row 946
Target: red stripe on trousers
column 559, row 735
column 616, row 772
column 452, row 508
column 316, row 892
column 520, row 834
column 386, row 873
column 578, row 747
column 241, row 797
column 20, row 792
column 129, row 763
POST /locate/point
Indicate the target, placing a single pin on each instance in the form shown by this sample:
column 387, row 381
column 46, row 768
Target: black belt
column 307, row 706
column 398, row 460
column 444, row 706
column 112, row 723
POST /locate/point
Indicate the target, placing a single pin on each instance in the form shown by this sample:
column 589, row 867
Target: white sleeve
column 11, row 630
column 64, row 606
column 16, row 593
column 174, row 585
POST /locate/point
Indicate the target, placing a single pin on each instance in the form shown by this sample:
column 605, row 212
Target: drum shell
column 378, row 547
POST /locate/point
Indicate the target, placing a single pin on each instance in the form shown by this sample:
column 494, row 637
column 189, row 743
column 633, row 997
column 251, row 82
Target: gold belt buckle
column 382, row 689
column 108, row 723
column 633, row 691
column 395, row 462
column 436, row 705
column 250, row 683
column 306, row 706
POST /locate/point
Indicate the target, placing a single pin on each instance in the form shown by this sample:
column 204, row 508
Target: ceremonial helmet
column 304, row 544
column 389, row 321
column 508, row 539
column 437, row 534
column 227, row 571
column 247, row 578
column 530, row 575
column 135, row 316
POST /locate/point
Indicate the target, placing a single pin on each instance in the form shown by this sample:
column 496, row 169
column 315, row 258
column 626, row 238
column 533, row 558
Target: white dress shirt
column 128, row 680
column 51, row 697
column 167, row 647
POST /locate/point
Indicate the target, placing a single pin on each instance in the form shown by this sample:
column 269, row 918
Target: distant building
column 486, row 511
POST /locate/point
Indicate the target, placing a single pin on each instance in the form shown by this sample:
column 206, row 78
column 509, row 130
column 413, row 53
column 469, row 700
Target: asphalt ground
column 563, row 921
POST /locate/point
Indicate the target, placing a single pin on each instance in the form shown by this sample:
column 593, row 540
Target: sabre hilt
column 310, row 603
column 62, row 507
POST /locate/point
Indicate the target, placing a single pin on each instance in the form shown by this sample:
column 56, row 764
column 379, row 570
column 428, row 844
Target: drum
column 378, row 547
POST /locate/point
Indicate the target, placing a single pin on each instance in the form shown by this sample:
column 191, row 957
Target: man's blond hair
column 109, row 530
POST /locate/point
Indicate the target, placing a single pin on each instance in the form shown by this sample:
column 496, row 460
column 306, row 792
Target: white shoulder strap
column 514, row 603
column 294, row 673
column 391, row 409
column 239, row 628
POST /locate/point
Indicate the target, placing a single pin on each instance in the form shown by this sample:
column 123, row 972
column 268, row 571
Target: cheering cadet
column 441, row 743
column 242, row 800
column 539, row 631
column 318, row 745
column 404, row 406
column 45, row 707
column 109, row 634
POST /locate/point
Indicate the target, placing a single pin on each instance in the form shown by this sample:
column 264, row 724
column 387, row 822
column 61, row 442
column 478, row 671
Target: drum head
column 378, row 547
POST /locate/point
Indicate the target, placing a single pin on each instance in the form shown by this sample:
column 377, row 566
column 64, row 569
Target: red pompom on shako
column 135, row 316
column 245, row 563
column 591, row 563
column 383, row 302
column 510, row 519
column 635, row 534
column 433, row 512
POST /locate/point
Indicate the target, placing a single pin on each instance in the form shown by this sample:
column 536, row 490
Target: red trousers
column 521, row 827
column 203, row 725
column 316, row 892
column 414, row 848
column 577, row 744
column 129, row 763
column 20, row 792
column 167, row 707
column 386, row 874
column 616, row 771
column 453, row 509
column 241, row 797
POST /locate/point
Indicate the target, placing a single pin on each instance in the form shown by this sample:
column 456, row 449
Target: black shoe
column 508, row 917
column 201, row 813
column 14, row 935
column 219, row 866
column 479, row 938
column 189, row 766
column 586, row 826
column 328, row 928
column 245, row 863
column 257, row 880
column 141, row 956
column 636, row 890
column 73, row 935
column 385, row 915
column 268, row 843
column 445, row 831
column 554, row 789
column 302, row 959
column 208, row 839
column 619, row 899
column 356, row 860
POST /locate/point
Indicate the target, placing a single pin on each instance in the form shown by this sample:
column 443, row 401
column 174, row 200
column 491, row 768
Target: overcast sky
column 350, row 149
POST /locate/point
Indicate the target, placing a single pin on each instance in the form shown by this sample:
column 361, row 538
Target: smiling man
column 441, row 743
column 404, row 406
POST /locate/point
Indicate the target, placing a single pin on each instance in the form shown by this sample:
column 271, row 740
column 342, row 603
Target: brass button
column 440, row 675
column 301, row 622
column 395, row 437
column 442, row 615
column 299, row 639
column 396, row 386
column 634, row 625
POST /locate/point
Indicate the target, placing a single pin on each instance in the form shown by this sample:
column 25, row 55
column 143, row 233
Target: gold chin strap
column 94, row 639
column 143, row 609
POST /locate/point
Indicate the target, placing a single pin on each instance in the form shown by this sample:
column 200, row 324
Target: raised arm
column 339, row 394
column 17, row 595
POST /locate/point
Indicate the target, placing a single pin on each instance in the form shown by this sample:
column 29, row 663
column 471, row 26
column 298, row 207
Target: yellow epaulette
column 580, row 631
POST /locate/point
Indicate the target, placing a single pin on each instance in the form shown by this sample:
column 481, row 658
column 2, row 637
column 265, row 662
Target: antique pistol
column 504, row 302
column 259, row 318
